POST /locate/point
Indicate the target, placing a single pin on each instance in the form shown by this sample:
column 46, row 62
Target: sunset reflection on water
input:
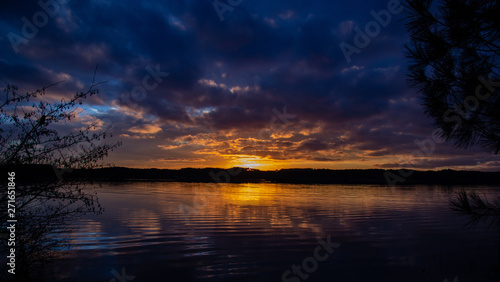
column 255, row 231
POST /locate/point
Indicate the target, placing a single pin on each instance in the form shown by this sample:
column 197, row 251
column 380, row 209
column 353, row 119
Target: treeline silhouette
column 245, row 175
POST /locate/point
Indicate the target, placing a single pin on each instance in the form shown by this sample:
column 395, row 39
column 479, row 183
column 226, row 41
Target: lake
column 164, row 231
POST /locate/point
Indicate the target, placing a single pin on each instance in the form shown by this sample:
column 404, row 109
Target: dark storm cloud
column 228, row 76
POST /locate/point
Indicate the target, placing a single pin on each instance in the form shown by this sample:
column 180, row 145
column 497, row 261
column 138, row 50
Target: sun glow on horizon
column 254, row 162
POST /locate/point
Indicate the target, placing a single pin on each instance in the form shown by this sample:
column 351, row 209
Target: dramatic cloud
column 267, row 87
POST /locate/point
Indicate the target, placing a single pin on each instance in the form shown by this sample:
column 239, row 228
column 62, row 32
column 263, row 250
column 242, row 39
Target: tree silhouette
column 31, row 142
column 454, row 55
column 469, row 203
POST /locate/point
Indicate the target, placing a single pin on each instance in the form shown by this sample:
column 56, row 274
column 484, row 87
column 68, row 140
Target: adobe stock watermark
column 39, row 20
column 310, row 264
column 456, row 114
column 284, row 117
column 372, row 29
column 149, row 82
column 201, row 199
column 121, row 277
column 221, row 7
column 60, row 172
column 11, row 213
column 138, row 93
column 202, row 196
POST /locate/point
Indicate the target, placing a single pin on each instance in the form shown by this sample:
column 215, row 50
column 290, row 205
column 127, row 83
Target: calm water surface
column 164, row 231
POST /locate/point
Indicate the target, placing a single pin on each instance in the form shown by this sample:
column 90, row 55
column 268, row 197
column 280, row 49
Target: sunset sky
column 263, row 84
